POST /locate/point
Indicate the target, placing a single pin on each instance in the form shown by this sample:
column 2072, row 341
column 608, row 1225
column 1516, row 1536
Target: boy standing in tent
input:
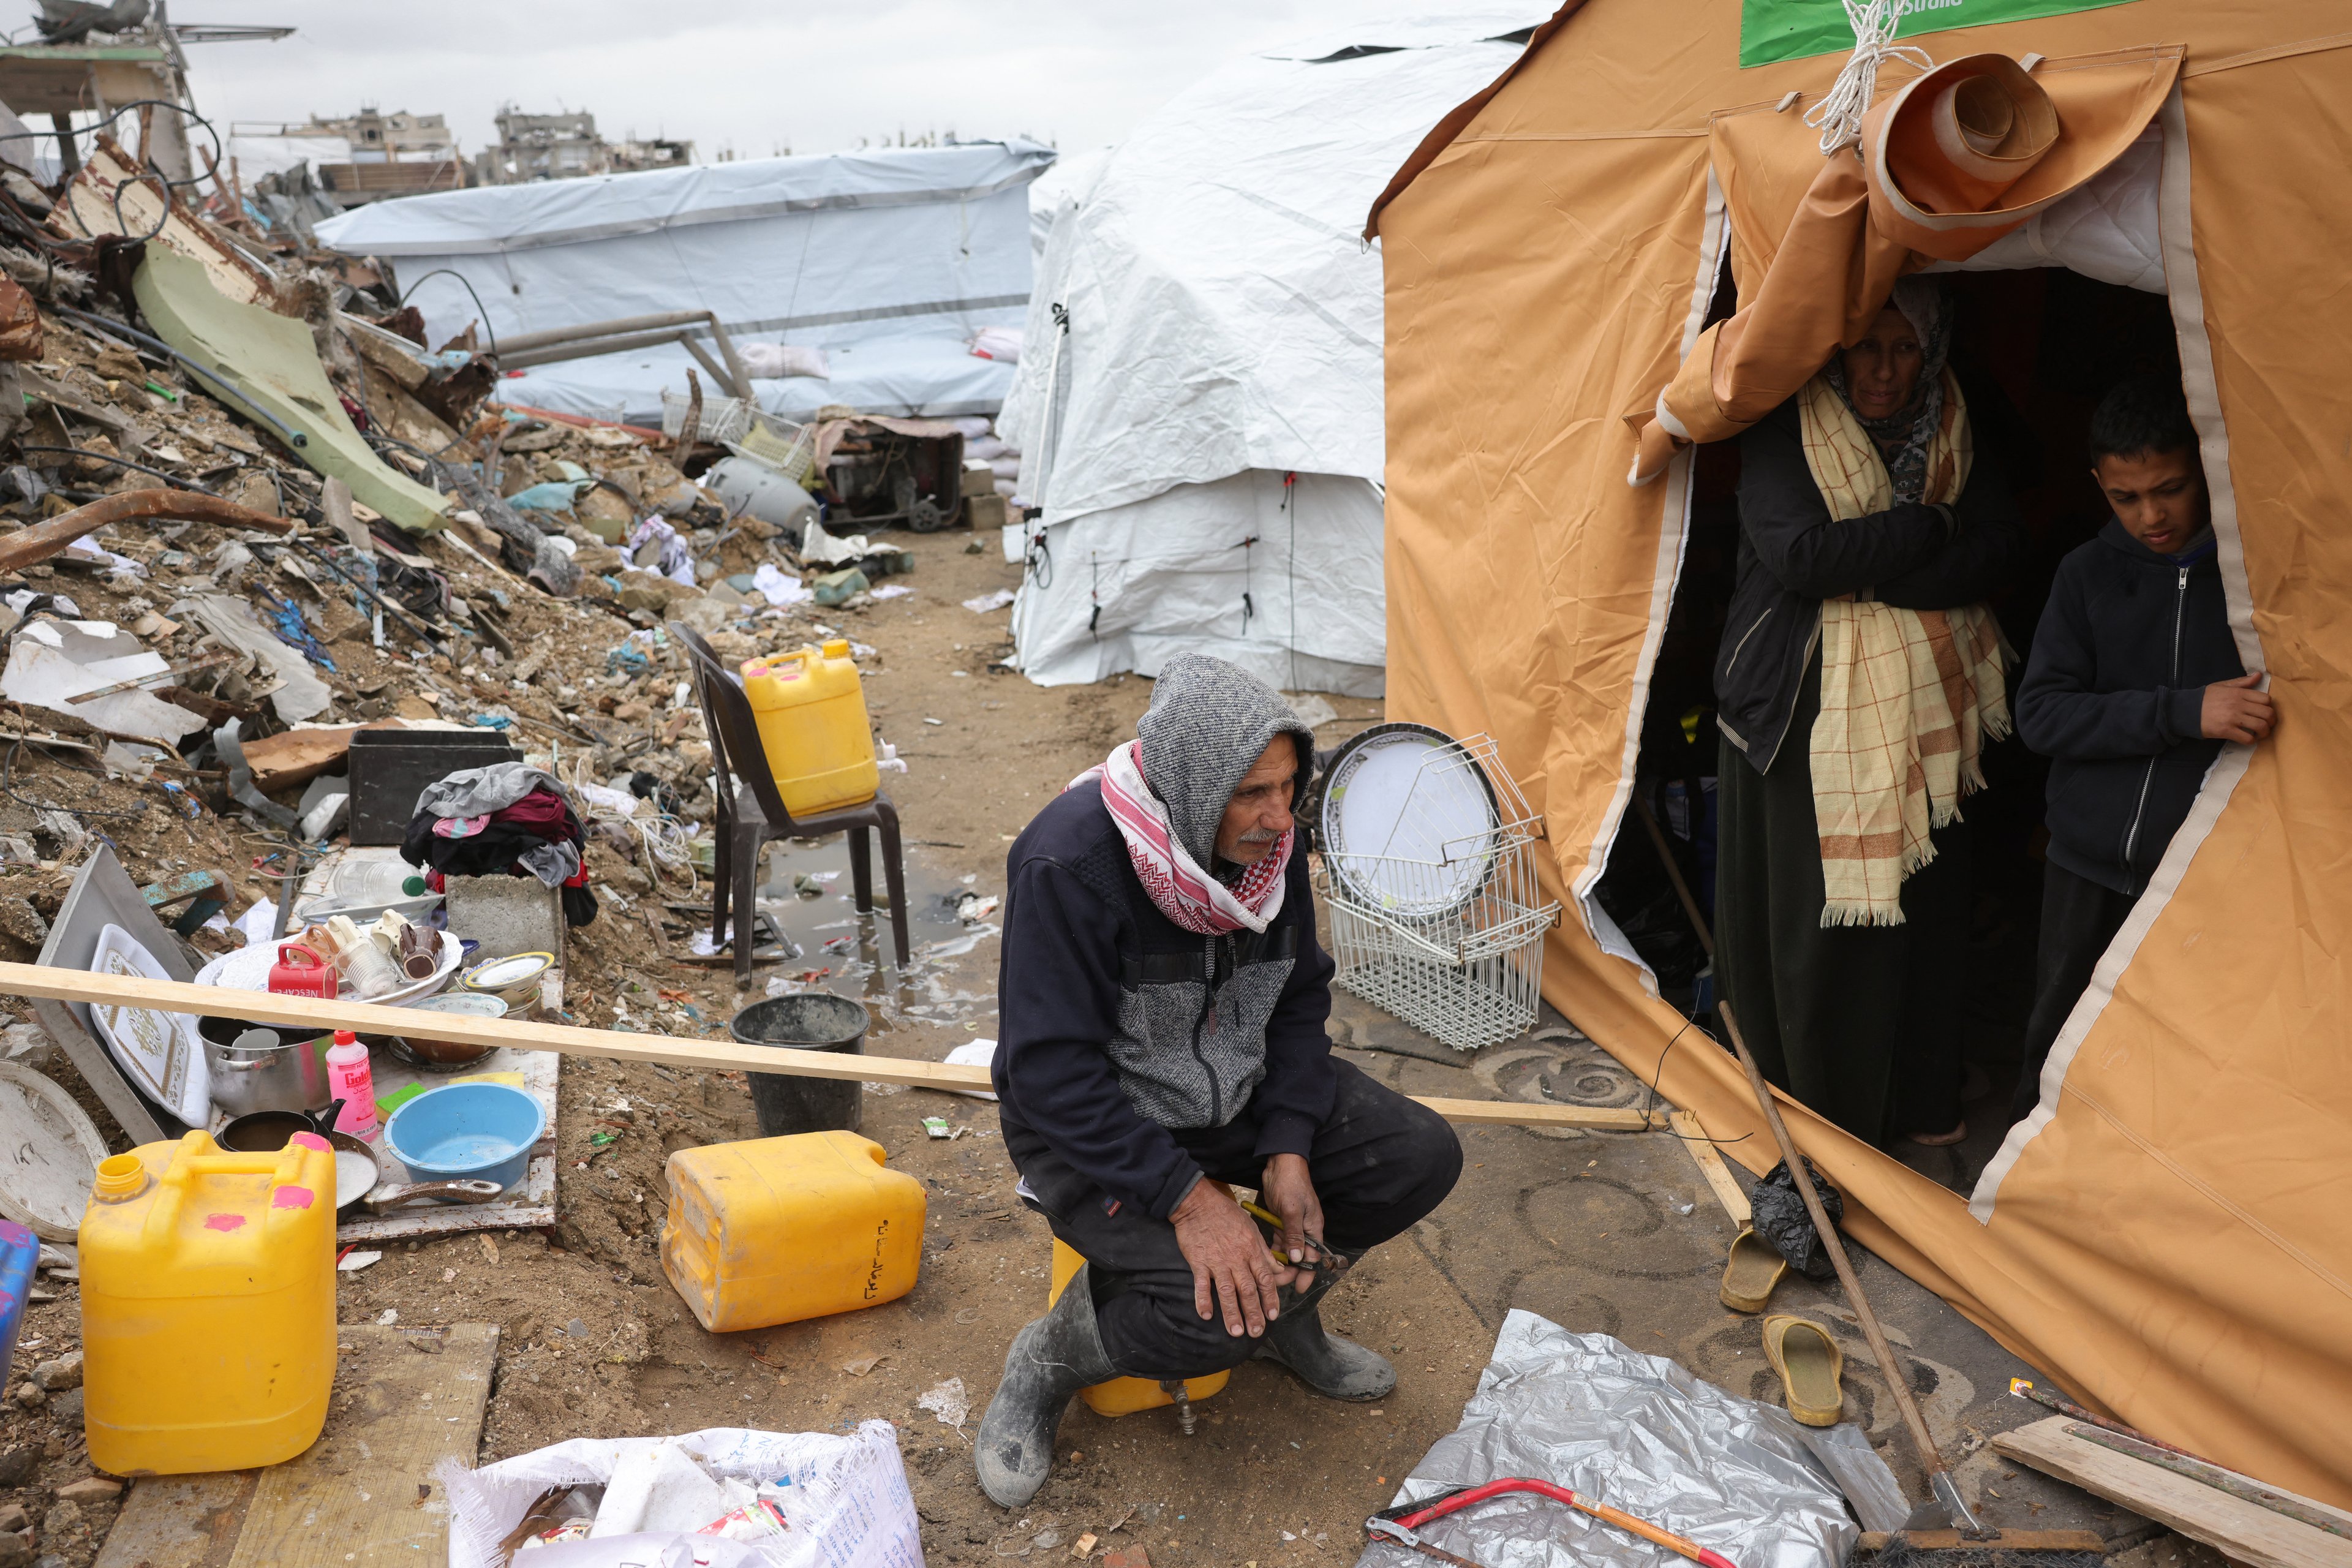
column 2133, row 685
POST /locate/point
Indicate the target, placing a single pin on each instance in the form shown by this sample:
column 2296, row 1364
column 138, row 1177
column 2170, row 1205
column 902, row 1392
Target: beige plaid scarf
column 1908, row 697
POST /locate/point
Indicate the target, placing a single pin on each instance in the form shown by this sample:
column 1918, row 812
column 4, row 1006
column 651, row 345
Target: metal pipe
column 555, row 336
column 593, row 338
column 588, row 348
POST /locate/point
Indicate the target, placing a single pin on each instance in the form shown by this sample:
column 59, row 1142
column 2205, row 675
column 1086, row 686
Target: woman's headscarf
column 1902, row 436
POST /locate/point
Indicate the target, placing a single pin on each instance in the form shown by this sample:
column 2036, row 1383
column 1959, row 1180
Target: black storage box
column 390, row 768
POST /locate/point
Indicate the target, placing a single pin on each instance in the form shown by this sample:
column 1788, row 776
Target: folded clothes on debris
column 505, row 819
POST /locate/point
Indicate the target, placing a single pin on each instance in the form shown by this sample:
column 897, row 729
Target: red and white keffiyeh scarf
column 1177, row 884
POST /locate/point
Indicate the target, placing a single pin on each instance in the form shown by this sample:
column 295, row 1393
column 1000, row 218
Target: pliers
column 1320, row 1256
column 1381, row 1529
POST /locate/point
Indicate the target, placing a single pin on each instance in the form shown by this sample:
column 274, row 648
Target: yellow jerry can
column 811, row 710
column 1124, row 1396
column 207, row 1305
column 773, row 1230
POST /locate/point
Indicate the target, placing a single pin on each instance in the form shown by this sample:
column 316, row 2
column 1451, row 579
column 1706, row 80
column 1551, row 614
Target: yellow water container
column 1124, row 1396
column 811, row 710
column 207, row 1305
column 773, row 1230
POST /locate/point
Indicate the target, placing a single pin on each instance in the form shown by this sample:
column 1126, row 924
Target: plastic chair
column 751, row 814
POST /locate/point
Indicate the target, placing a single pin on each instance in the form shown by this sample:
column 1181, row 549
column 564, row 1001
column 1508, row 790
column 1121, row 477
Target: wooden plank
column 34, row 980
column 2244, row 1530
column 179, row 1521
column 364, row 1492
column 1728, row 1192
column 1519, row 1113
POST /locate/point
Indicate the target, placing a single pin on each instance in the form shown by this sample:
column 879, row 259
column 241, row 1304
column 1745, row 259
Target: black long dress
column 1861, row 1023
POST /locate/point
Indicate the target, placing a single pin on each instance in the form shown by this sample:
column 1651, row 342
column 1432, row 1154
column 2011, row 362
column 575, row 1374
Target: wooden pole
column 1897, row 1375
column 707, row 1056
column 30, row 546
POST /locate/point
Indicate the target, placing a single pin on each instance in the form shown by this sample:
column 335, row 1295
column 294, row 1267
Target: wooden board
column 34, row 980
column 2244, row 1530
column 179, row 1521
column 362, row 1493
column 1728, row 1192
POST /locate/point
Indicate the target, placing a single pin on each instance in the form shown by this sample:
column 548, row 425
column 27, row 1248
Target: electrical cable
column 287, row 433
column 7, row 787
column 171, row 480
column 481, row 312
column 147, row 173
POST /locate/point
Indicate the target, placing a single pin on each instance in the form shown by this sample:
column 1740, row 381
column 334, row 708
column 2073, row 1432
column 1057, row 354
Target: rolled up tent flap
column 1830, row 251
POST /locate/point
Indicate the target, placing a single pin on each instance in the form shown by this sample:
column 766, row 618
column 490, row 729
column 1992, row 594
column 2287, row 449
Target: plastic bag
column 1780, row 1218
column 774, row 361
column 999, row 343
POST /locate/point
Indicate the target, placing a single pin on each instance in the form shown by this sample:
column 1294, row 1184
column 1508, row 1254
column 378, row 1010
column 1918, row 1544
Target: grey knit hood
column 1207, row 723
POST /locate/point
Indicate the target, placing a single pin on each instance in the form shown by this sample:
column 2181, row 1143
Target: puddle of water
column 854, row 950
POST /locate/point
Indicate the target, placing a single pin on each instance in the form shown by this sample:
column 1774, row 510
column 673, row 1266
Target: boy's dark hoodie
column 2114, row 693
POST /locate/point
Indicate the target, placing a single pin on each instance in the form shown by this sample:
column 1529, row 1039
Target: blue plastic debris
column 189, row 805
column 491, row 722
column 552, row 495
column 628, row 657
column 286, row 620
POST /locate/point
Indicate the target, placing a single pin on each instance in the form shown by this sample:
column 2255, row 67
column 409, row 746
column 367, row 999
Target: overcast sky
column 758, row 78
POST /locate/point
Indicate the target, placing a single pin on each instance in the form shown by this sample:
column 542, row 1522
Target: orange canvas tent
column 2170, row 1234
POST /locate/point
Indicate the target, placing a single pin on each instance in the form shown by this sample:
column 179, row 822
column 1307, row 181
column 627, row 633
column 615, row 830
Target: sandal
column 1942, row 1140
column 1754, row 1267
column 1810, row 1365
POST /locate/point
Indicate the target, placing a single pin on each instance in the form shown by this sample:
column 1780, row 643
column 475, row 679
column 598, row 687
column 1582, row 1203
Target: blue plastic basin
column 466, row 1131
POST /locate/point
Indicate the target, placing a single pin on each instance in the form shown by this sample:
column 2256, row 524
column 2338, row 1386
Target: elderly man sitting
column 1161, row 1006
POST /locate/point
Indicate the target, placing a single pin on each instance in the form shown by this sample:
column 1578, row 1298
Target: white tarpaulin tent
column 1207, row 439
column 888, row 261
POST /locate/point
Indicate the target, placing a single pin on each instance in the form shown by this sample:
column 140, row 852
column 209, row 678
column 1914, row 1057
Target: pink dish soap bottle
column 351, row 1080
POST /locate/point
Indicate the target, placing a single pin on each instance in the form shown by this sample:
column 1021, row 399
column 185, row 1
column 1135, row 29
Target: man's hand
column 1290, row 1195
column 2235, row 711
column 1229, row 1259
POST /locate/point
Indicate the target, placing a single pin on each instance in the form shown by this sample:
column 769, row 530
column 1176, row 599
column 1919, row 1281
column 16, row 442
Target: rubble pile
column 532, row 601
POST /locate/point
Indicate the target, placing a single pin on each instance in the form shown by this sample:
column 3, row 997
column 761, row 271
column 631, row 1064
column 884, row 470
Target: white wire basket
column 745, row 428
column 1429, row 878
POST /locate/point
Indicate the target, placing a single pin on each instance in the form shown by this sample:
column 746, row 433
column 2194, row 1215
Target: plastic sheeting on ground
column 1224, row 320
column 1641, row 1434
column 888, row 261
column 849, row 1506
column 52, row 662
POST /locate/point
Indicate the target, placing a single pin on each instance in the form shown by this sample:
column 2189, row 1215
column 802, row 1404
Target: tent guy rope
column 1840, row 111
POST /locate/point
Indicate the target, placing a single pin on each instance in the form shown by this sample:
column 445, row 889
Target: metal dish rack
column 1451, row 942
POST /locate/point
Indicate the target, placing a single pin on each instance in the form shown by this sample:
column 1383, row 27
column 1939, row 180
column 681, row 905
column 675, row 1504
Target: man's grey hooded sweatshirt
column 1119, row 1030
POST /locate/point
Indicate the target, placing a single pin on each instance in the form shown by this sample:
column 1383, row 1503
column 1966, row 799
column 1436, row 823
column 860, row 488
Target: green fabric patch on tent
column 1772, row 30
column 271, row 359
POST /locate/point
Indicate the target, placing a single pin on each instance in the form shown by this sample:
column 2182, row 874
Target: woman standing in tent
column 1859, row 676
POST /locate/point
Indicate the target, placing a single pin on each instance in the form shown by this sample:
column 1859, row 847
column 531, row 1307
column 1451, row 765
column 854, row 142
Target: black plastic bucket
column 815, row 1021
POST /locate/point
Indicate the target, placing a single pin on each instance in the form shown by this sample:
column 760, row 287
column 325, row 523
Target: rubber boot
column 1051, row 1359
column 1333, row 1367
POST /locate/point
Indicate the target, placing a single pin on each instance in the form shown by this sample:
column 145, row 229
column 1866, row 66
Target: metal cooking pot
column 261, row 1068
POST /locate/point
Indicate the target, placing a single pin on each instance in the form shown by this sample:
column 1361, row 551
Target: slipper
column 1942, row 1140
column 1810, row 1365
column 1754, row 1267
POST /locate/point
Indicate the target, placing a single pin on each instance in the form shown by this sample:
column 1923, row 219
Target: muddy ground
column 1613, row 1233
